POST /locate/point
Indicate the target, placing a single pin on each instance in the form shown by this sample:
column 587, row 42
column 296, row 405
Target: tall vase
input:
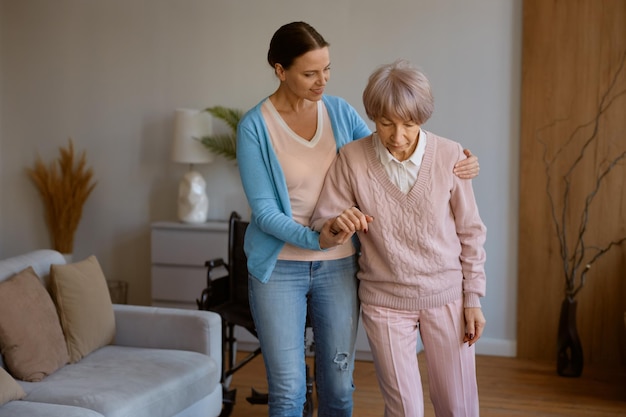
column 570, row 351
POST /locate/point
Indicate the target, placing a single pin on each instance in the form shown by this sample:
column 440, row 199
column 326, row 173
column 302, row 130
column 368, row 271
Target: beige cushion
column 82, row 297
column 31, row 339
column 9, row 389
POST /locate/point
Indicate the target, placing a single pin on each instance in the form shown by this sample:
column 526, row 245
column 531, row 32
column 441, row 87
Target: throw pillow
column 31, row 339
column 84, row 305
column 9, row 389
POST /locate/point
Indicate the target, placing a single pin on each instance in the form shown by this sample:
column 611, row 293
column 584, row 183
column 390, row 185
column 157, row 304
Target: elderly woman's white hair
column 398, row 90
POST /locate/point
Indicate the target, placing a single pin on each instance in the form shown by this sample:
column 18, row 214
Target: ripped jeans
column 279, row 308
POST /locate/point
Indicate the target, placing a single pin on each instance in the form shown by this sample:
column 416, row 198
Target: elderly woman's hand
column 474, row 324
column 351, row 220
column 467, row 168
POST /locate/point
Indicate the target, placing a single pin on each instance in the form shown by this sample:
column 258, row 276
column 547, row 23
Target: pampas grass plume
column 64, row 186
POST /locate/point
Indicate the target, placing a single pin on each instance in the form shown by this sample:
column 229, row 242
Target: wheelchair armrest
column 215, row 294
column 217, row 290
column 215, row 263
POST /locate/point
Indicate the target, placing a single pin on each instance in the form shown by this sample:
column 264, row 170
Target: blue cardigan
column 271, row 224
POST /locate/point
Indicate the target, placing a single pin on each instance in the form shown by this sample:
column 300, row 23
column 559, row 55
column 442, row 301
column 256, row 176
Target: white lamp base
column 193, row 202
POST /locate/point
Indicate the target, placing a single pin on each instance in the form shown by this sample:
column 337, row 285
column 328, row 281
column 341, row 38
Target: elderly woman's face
column 398, row 136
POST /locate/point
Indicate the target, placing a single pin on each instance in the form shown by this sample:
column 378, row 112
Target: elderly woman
column 422, row 263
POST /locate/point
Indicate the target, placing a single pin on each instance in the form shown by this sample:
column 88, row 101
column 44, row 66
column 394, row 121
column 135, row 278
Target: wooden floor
column 507, row 387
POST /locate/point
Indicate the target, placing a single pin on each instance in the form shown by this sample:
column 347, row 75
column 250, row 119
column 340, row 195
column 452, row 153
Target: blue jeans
column 279, row 308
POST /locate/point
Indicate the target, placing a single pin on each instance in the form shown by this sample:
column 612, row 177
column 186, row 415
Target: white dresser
column 178, row 254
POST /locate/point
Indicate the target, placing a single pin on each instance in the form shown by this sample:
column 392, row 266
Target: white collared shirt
column 402, row 174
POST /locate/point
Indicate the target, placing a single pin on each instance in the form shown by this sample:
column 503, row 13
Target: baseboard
column 363, row 355
column 485, row 346
column 496, row 347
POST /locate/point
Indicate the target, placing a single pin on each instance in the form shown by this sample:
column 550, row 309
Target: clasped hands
column 339, row 230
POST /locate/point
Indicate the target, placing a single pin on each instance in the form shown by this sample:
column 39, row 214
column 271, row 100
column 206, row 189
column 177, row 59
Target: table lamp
column 189, row 126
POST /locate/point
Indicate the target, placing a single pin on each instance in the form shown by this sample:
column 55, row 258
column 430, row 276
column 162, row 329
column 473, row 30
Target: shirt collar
column 387, row 158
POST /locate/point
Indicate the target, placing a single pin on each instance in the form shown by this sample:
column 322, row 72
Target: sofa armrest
column 169, row 328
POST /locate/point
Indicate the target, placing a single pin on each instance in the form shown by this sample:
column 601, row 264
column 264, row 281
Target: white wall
column 110, row 73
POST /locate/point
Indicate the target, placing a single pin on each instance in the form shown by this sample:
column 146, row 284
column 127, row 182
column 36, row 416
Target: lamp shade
column 189, row 126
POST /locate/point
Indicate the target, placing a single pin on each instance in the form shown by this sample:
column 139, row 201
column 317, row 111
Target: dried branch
column 574, row 256
column 601, row 251
column 64, row 186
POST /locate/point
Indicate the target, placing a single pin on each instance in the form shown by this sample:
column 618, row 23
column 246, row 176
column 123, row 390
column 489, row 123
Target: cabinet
column 178, row 254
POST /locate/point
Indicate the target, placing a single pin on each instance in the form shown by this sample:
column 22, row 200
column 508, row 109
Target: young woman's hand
column 467, row 168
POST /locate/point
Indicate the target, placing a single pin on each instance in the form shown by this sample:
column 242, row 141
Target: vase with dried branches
column 64, row 185
column 577, row 253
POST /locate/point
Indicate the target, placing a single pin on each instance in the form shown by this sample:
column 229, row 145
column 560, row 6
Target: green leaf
column 224, row 144
column 228, row 115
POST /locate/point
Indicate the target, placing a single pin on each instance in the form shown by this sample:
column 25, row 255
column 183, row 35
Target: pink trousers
column 451, row 364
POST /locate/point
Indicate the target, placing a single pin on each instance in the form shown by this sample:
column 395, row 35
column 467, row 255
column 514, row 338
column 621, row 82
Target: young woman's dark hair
column 291, row 41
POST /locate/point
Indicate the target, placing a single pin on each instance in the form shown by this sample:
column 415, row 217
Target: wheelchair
column 228, row 296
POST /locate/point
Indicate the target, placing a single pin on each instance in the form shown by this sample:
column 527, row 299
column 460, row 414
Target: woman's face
column 308, row 75
column 398, row 136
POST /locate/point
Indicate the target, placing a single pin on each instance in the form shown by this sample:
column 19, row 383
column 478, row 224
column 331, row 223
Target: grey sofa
column 163, row 362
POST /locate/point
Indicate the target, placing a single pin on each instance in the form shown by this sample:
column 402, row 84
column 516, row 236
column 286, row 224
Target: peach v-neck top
column 304, row 163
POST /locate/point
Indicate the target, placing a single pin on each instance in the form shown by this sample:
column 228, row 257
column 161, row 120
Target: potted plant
column 224, row 144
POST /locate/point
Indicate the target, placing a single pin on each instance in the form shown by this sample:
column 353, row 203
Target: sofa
column 114, row 360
